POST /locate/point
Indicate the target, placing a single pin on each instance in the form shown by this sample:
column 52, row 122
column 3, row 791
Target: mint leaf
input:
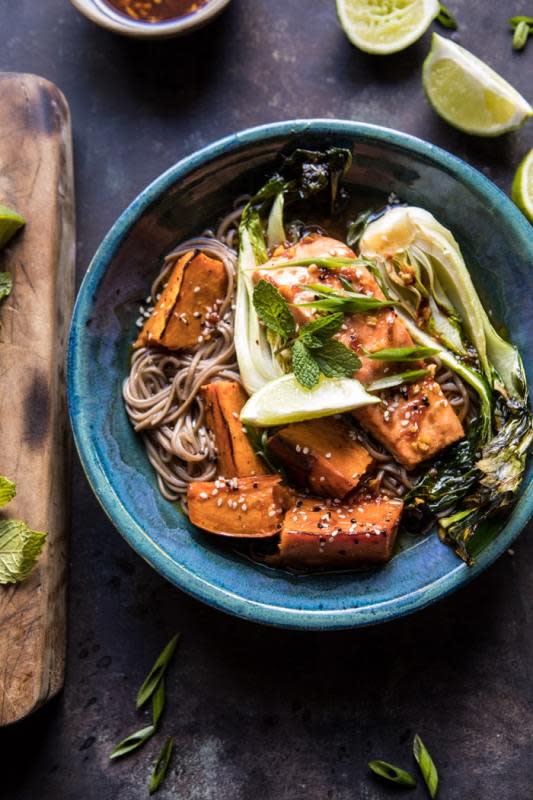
column 8, row 490
column 311, row 341
column 323, row 328
column 20, row 548
column 6, row 284
column 304, row 366
column 336, row 360
column 273, row 309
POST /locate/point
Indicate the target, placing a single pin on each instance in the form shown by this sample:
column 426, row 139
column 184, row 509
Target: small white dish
column 104, row 15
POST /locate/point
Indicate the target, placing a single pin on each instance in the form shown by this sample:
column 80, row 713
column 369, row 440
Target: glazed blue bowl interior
column 496, row 242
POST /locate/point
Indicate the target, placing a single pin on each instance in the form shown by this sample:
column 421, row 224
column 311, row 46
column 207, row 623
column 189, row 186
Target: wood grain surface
column 36, row 179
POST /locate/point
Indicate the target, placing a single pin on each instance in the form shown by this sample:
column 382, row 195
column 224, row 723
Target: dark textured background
column 258, row 713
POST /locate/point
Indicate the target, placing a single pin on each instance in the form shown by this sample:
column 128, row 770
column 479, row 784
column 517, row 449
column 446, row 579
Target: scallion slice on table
column 392, row 774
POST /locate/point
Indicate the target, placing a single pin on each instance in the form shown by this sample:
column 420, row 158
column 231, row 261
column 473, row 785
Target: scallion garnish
column 156, row 673
column 446, row 18
column 392, row 774
column 427, row 766
column 161, row 765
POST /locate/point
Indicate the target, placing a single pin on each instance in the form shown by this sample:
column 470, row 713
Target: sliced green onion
column 390, row 381
column 520, row 36
column 427, row 767
column 414, row 353
column 446, row 18
column 391, row 773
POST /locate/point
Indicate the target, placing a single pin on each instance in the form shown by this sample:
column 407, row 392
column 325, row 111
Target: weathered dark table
column 260, row 714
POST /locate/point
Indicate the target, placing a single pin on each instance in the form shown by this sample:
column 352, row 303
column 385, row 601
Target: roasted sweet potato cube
column 187, row 310
column 252, row 507
column 315, row 534
column 235, row 454
column 322, row 454
column 414, row 422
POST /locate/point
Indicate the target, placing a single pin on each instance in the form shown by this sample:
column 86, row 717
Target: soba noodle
column 162, row 395
column 161, row 392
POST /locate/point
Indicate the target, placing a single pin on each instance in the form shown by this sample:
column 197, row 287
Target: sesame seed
column 203, row 495
column 305, row 450
column 322, row 479
column 328, row 455
column 214, row 492
column 220, row 502
column 200, row 339
column 196, row 289
column 244, row 507
column 234, row 414
column 298, row 448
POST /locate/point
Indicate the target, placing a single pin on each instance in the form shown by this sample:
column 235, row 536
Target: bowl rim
column 141, row 30
column 148, row 549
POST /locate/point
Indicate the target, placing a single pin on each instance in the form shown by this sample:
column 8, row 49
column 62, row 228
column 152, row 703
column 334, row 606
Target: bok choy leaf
column 423, row 268
column 303, row 175
column 416, row 233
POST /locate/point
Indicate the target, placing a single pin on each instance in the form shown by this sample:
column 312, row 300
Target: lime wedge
column 10, row 222
column 385, row 26
column 522, row 191
column 285, row 400
column 468, row 94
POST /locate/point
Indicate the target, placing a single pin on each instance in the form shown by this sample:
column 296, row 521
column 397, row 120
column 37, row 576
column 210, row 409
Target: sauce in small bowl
column 154, row 11
column 150, row 19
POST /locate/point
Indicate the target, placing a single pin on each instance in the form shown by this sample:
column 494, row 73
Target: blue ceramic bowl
column 496, row 241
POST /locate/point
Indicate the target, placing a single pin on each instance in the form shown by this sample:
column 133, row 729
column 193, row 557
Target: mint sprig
column 304, row 365
column 314, row 351
column 273, row 309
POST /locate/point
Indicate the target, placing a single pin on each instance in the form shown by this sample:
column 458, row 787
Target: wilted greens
column 422, row 269
column 304, row 175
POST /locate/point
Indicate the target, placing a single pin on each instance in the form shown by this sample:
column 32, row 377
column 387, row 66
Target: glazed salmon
column 435, row 424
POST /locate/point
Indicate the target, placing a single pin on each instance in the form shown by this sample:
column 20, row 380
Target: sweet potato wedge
column 321, row 454
column 414, row 422
column 248, row 507
column 235, row 454
column 315, row 534
column 186, row 312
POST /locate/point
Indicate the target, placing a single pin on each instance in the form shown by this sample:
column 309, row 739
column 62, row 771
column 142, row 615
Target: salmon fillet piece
column 438, row 425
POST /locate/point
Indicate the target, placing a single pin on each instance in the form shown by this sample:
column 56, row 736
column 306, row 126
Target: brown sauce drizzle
column 155, row 10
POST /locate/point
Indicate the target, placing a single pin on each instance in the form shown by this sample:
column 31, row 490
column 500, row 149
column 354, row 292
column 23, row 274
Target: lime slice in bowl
column 522, row 191
column 285, row 400
column 382, row 27
column 468, row 94
column 10, row 222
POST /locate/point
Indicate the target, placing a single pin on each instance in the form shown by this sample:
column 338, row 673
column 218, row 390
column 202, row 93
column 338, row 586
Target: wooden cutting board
column 36, row 179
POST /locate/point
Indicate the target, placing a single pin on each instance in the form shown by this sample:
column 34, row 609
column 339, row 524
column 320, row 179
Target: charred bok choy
column 423, row 272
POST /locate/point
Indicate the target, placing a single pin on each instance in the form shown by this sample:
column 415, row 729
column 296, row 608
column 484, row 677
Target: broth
column 152, row 11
